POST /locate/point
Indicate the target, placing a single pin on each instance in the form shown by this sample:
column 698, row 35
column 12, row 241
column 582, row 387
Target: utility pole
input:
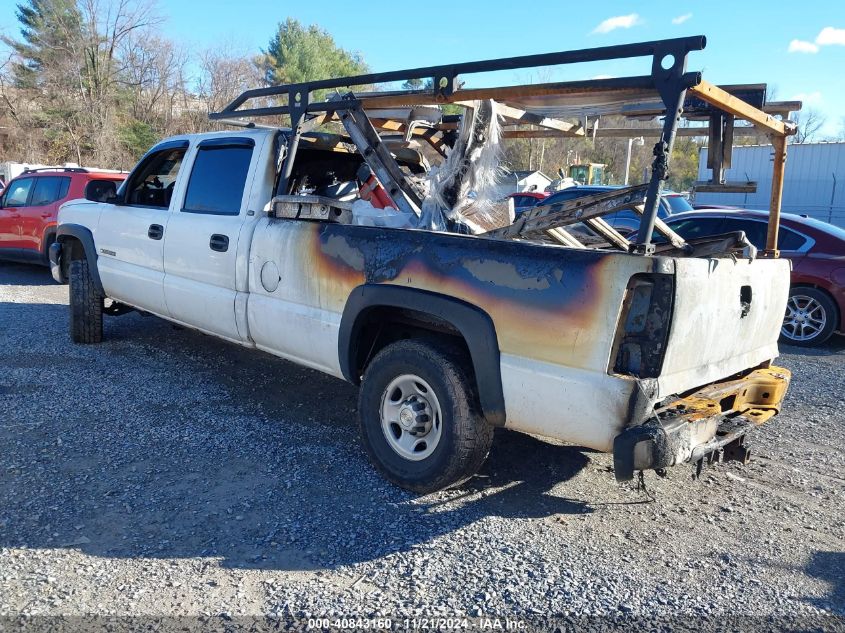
column 640, row 141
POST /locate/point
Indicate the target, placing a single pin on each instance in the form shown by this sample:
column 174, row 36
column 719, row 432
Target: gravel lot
column 167, row 473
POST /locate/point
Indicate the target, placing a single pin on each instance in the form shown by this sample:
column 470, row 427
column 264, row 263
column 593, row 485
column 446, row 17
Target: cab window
column 153, row 181
column 17, row 194
column 49, row 189
column 218, row 179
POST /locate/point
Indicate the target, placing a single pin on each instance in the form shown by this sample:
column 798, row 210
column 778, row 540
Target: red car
column 816, row 306
column 30, row 204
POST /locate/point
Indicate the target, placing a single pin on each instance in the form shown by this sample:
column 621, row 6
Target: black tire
column 465, row 435
column 823, row 307
column 86, row 305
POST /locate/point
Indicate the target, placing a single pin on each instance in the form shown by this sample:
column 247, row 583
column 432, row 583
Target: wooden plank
column 728, row 103
column 777, row 197
column 545, row 216
column 625, row 132
column 705, row 186
column 603, row 228
column 565, row 238
column 585, row 88
column 521, row 116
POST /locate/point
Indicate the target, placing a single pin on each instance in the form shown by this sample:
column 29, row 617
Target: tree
column 418, row 84
column 49, row 29
column 297, row 54
column 809, row 122
column 67, row 68
column 223, row 75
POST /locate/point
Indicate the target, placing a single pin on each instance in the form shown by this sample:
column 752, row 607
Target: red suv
column 30, row 203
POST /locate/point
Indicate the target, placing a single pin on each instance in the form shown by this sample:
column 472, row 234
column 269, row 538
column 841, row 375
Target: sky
column 798, row 49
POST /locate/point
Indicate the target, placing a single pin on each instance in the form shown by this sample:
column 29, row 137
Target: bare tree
column 809, row 122
column 223, row 75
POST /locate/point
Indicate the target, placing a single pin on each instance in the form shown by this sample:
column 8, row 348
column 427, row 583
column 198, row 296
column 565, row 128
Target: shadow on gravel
column 834, row 345
column 13, row 274
column 165, row 443
column 829, row 567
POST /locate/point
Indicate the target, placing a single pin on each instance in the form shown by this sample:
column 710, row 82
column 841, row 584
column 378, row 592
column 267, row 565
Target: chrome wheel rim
column 805, row 318
column 411, row 419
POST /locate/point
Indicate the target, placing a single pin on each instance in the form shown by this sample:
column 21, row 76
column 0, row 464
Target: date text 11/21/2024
column 421, row 623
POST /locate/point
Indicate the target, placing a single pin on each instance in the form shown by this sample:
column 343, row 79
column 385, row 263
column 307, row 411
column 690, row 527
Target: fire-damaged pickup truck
column 348, row 253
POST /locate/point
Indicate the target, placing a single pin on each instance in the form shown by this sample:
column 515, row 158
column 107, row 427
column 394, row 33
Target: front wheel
column 810, row 318
column 419, row 419
column 86, row 304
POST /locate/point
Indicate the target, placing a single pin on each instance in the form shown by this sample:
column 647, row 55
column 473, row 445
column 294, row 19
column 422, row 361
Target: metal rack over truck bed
column 541, row 110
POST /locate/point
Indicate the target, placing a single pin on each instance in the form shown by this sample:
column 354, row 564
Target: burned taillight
column 644, row 325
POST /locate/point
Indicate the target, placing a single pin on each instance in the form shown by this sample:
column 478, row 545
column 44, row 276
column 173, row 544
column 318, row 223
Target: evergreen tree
column 296, row 54
column 49, row 31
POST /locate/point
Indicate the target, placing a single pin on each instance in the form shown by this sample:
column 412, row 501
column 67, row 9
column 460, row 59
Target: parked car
column 626, row 222
column 29, row 207
column 524, row 200
column 816, row 304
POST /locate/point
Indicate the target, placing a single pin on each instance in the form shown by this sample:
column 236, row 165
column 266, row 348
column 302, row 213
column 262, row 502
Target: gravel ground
column 167, row 473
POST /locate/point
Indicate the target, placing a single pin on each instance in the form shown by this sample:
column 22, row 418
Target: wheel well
column 49, row 238
column 380, row 326
column 73, row 248
column 376, row 315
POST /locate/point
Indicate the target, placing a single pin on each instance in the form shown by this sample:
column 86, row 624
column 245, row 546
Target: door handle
column 155, row 232
column 219, row 243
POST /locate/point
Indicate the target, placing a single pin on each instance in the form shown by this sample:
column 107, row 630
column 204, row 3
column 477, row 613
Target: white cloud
column 800, row 46
column 808, row 98
column 617, row 22
column 829, row 35
column 681, row 18
column 604, row 77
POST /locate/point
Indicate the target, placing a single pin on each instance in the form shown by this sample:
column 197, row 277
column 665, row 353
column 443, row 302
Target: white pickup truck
column 662, row 360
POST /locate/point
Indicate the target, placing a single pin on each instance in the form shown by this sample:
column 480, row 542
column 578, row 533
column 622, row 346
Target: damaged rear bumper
column 704, row 427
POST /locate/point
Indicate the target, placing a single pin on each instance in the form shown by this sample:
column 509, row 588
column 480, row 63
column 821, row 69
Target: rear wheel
column 419, row 420
column 86, row 304
column 810, row 318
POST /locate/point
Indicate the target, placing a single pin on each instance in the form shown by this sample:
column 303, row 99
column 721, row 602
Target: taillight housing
column 643, row 327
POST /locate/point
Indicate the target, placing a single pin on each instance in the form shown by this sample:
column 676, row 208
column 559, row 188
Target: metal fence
column 814, row 183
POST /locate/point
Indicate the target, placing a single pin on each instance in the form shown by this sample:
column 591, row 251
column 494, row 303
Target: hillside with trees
column 96, row 82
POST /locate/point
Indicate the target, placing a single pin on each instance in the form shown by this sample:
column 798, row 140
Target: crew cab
column 29, row 206
column 450, row 330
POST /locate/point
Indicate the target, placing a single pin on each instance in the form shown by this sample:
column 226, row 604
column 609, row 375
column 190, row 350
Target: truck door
column 201, row 247
column 130, row 234
column 15, row 200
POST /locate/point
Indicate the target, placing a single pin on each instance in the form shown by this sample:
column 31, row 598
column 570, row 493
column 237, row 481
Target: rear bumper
column 54, row 253
column 706, row 426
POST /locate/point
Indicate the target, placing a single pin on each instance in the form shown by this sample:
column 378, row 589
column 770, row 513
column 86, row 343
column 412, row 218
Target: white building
column 518, row 181
column 814, row 181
